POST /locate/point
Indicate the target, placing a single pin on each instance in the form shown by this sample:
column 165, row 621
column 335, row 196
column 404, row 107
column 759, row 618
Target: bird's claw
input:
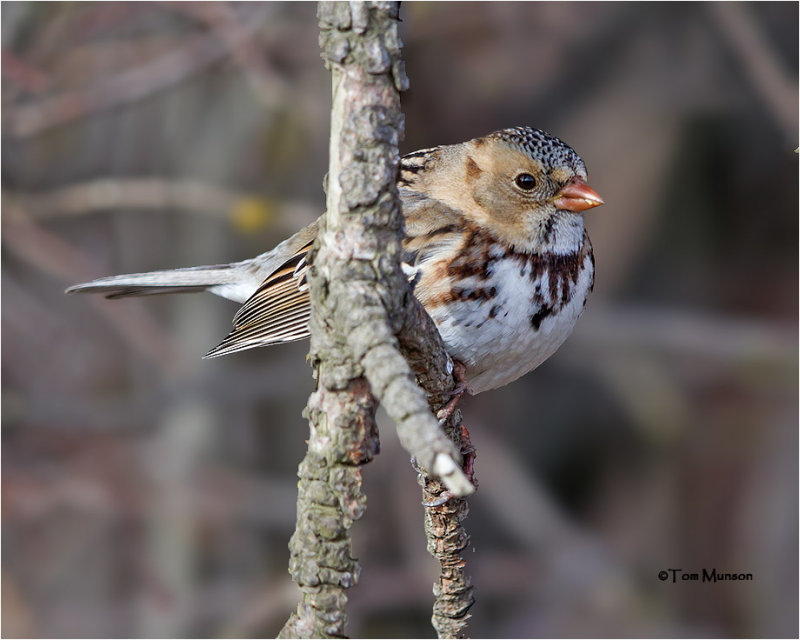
column 468, row 451
column 459, row 373
column 442, row 499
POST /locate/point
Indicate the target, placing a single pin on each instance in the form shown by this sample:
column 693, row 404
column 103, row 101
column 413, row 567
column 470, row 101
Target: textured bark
column 361, row 302
column 423, row 348
column 447, row 538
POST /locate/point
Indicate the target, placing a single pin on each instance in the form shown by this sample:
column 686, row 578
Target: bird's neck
column 560, row 233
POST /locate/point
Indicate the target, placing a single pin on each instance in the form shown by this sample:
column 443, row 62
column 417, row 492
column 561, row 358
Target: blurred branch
column 85, row 198
column 18, row 618
column 112, row 490
column 24, row 75
column 576, row 563
column 690, row 333
column 130, row 85
column 56, row 258
column 247, row 211
column 221, row 18
column 261, row 610
column 759, row 61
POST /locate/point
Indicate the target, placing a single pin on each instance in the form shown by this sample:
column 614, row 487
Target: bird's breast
column 503, row 313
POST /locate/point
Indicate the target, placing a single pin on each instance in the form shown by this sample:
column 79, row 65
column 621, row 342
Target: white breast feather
column 500, row 349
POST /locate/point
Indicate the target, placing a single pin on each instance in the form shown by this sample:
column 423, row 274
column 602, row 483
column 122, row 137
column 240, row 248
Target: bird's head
column 515, row 182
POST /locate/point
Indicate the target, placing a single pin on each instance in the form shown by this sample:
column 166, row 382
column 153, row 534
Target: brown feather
column 277, row 312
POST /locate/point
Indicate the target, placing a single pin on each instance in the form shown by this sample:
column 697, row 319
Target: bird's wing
column 277, row 312
column 433, row 229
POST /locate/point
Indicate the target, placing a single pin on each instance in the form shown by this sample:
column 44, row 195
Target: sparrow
column 494, row 248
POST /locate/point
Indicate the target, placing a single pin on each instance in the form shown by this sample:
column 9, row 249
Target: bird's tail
column 219, row 278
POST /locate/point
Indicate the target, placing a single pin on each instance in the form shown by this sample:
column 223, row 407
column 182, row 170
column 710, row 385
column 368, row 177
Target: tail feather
column 187, row 280
column 272, row 287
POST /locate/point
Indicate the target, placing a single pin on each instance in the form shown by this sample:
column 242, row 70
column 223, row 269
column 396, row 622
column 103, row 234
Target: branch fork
column 369, row 335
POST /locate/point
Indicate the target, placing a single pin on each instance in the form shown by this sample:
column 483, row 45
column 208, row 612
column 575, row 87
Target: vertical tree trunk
column 360, row 302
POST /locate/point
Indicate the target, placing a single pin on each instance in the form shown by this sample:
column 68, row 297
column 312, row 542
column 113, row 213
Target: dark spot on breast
column 473, row 170
column 493, row 311
column 564, row 271
column 480, row 294
column 541, row 314
column 537, row 299
column 464, row 294
column 553, row 284
column 475, row 259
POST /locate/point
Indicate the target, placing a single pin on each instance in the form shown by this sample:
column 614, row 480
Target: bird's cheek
column 482, row 195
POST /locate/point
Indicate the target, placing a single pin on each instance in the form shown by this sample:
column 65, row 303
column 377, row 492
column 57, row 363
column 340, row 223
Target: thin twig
column 127, row 86
column 760, row 62
column 270, row 88
column 685, row 332
column 189, row 196
column 53, row 256
column 27, row 77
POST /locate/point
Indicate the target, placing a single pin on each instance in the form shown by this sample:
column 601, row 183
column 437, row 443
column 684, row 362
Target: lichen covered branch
column 361, row 302
column 447, row 538
column 444, row 530
column 364, row 221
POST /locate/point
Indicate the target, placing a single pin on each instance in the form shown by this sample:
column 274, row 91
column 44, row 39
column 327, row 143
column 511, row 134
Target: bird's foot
column 459, row 374
column 468, row 452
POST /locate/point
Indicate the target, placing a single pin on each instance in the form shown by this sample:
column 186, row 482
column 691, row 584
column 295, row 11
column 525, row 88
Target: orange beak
column 577, row 196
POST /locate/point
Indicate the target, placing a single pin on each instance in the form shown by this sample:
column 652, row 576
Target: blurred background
column 149, row 493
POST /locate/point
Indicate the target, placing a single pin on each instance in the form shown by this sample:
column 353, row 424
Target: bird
column 494, row 247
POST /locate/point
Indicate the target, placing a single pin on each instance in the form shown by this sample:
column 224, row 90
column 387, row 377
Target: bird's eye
column 525, row 181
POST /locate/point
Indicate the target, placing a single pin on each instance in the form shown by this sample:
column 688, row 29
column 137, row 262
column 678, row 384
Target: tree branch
column 360, row 301
column 424, row 350
column 245, row 210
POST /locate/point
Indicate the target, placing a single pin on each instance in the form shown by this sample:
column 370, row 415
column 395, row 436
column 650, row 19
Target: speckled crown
column 542, row 146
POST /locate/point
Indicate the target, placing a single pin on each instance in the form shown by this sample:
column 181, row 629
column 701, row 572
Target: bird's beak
column 577, row 196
